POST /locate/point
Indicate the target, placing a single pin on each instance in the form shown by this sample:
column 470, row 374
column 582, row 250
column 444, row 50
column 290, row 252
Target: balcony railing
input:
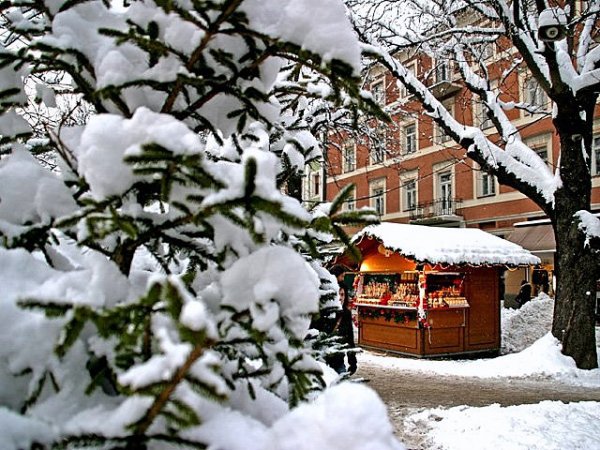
column 441, row 209
column 445, row 88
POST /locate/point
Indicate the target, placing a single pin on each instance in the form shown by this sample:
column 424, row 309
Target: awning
column 535, row 238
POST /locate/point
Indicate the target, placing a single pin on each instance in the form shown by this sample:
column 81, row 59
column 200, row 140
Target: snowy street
column 529, row 399
column 407, row 392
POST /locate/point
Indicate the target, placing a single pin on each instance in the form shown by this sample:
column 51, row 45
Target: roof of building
column 455, row 246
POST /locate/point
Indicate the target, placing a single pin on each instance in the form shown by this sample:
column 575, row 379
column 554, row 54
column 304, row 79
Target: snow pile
column 42, row 198
column 522, row 327
column 546, row 426
column 108, row 138
column 549, row 425
column 17, row 431
column 543, row 359
column 331, row 423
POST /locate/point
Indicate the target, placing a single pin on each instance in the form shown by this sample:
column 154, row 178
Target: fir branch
column 184, row 415
column 50, row 308
column 275, row 209
column 72, row 329
column 161, row 400
column 341, row 198
column 227, row 9
column 313, row 249
column 91, row 440
column 353, row 249
column 35, row 394
column 250, row 179
column 204, row 389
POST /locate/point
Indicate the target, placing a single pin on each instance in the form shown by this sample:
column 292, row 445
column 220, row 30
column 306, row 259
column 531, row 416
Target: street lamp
column 552, row 25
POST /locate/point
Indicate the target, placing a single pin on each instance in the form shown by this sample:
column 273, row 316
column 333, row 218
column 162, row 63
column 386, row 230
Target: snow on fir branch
column 158, row 282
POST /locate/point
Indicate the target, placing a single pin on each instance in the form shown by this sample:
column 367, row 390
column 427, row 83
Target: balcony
column 445, row 88
column 442, row 211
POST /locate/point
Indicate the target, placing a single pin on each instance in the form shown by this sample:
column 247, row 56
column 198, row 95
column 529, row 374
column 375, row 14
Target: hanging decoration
column 384, row 251
column 422, row 306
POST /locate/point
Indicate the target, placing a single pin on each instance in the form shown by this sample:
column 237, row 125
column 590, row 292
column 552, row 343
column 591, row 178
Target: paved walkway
column 407, row 392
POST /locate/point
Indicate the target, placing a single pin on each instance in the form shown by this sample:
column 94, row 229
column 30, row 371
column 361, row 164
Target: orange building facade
column 415, row 174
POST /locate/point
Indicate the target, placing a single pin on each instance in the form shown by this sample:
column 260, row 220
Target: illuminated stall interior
column 430, row 291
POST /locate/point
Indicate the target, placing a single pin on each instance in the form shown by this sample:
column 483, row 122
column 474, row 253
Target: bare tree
column 549, row 50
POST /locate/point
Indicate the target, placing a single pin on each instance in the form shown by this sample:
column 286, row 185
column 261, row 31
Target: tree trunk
column 576, row 266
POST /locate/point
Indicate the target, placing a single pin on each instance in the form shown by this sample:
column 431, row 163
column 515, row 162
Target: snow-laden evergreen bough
column 157, row 284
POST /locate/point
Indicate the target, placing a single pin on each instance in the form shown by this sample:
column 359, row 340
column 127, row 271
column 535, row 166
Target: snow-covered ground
column 529, row 351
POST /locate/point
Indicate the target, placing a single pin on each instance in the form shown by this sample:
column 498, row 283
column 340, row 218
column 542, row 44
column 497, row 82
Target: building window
column 377, row 196
column 409, row 195
column 412, row 69
column 442, row 71
column 378, row 201
column 315, row 184
column 377, row 154
column 409, row 140
column 444, row 191
column 534, row 96
column 484, row 51
column 481, row 118
column 378, row 92
column 539, row 144
column 378, row 146
column 487, row 184
column 349, row 157
column 596, row 156
column 542, row 152
column 439, row 134
column 350, row 204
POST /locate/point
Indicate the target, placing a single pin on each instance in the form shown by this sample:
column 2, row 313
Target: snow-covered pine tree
column 155, row 289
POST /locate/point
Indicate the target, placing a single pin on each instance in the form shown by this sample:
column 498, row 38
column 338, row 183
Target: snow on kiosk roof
column 454, row 246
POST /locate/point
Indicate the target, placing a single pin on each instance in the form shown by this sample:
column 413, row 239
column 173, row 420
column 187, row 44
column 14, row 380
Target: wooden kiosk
column 429, row 291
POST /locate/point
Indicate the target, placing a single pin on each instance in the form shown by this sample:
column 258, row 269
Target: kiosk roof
column 456, row 246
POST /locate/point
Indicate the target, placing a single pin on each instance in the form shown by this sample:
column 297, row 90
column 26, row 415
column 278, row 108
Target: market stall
column 429, row 291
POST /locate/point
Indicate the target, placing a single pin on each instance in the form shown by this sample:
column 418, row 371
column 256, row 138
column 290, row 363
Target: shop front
column 428, row 291
column 537, row 237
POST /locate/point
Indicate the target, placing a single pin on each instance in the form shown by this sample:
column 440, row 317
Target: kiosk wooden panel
column 445, row 330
